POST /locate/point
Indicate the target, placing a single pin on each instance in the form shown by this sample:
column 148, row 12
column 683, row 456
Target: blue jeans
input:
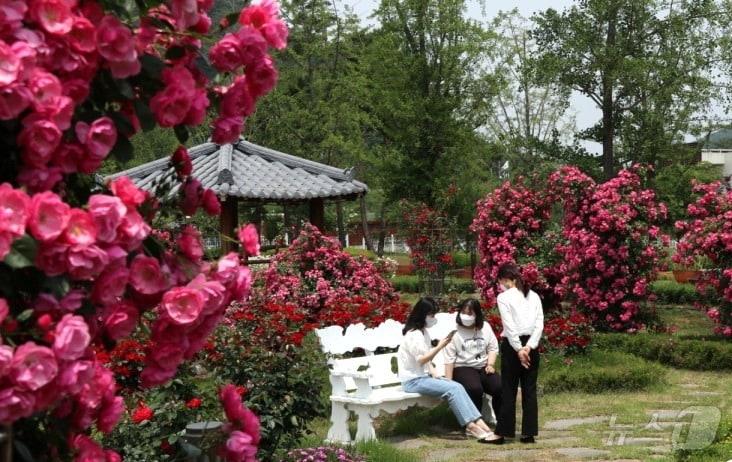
column 460, row 403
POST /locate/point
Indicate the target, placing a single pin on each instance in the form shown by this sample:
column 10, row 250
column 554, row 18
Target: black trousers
column 478, row 381
column 513, row 373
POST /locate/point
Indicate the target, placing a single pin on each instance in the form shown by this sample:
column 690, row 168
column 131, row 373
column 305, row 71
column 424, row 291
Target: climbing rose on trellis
column 602, row 259
column 708, row 233
column 81, row 266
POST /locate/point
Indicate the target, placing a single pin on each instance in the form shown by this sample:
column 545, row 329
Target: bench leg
column 338, row 432
column 366, row 430
column 488, row 416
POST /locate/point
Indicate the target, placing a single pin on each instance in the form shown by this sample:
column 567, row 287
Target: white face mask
column 430, row 321
column 467, row 320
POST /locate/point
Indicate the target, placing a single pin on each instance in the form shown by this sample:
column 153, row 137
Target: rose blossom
column 146, row 276
column 49, row 216
column 9, row 64
column 224, row 55
column 14, row 209
column 227, row 129
column 249, row 239
column 54, row 15
column 85, row 262
column 111, row 284
column 189, row 242
column 181, row 161
column 32, row 366
column 182, row 305
column 15, row 404
column 107, row 212
column 120, row 319
column 191, row 196
column 117, row 45
column 81, row 228
column 99, row 137
column 240, row 447
column 72, row 337
column 171, row 104
column 211, row 203
column 185, row 13
column 14, row 99
column 39, row 138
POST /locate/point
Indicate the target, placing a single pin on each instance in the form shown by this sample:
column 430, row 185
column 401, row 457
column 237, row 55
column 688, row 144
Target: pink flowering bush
column 708, row 233
column 596, row 249
column 315, row 274
column 81, row 267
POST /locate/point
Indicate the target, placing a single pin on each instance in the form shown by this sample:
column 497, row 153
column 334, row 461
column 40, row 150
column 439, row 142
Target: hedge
column 675, row 351
column 411, row 284
column 597, row 372
column 674, row 293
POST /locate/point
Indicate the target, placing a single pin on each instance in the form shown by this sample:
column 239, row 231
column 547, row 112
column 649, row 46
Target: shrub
column 708, row 234
column 598, row 372
column 321, row 454
column 679, row 352
column 672, row 292
column 409, row 284
column 567, row 333
column 717, row 451
column 428, row 233
column 461, row 259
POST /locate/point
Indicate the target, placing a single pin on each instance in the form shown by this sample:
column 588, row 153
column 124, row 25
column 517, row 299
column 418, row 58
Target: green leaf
column 181, row 132
column 23, row 451
column 205, row 67
column 123, row 150
column 25, row 315
column 124, row 88
column 175, row 52
column 22, row 253
column 145, row 115
column 152, row 65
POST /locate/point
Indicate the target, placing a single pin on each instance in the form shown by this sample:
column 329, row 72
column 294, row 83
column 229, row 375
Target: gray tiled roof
column 254, row 172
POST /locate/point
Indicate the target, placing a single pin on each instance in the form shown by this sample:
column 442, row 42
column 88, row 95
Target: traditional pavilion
column 253, row 175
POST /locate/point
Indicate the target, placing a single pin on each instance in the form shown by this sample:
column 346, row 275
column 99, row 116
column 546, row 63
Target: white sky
column 585, row 110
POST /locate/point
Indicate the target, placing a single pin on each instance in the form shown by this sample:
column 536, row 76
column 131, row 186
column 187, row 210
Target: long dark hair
column 513, row 272
column 424, row 307
column 477, row 311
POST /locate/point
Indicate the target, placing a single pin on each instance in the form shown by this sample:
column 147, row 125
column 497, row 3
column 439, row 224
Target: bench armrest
column 353, row 375
column 361, row 379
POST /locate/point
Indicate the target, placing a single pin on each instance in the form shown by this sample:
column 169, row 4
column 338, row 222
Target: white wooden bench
column 369, row 385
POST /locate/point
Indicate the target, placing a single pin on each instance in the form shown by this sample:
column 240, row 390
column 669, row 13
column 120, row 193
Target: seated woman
column 418, row 374
column 470, row 357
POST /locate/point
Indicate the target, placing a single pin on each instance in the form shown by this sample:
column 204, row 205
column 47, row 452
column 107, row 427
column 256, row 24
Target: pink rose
column 32, row 366
column 82, row 37
column 80, row 228
column 249, row 239
column 185, row 13
column 68, row 156
column 191, row 196
column 76, row 89
column 51, row 258
column 259, row 14
column 74, row 375
column 14, row 210
column 227, row 129
column 128, row 192
column 181, row 161
column 133, row 230
column 39, row 179
column 189, row 243
column 14, row 99
column 44, row 86
column 237, row 100
column 224, row 55
column 107, row 212
column 110, row 413
column 240, row 447
column 153, row 375
column 6, row 355
column 110, row 285
column 39, row 138
column 15, row 404
column 99, row 137
column 49, row 216
column 171, row 104
column 120, row 319
column 11, row 16
column 57, row 109
column 9, row 64
column 253, row 46
column 6, row 240
column 85, row 262
column 262, row 77
column 146, row 276
column 211, row 203
column 276, row 33
column 53, row 15
column 182, row 305
column 116, row 44
column 197, row 112
column 72, row 337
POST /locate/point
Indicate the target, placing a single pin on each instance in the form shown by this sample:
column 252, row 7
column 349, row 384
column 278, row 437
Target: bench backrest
column 334, row 340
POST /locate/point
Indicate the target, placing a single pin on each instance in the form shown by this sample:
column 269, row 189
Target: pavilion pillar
column 228, row 222
column 317, row 213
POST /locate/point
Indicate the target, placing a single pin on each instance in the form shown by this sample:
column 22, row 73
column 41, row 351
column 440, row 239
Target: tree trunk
column 382, row 231
column 365, row 224
column 608, row 115
column 339, row 223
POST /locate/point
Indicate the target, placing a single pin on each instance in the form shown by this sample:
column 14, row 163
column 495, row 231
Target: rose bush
column 595, row 246
column 708, row 233
column 81, row 267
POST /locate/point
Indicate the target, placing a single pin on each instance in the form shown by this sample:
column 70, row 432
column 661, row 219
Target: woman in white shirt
column 418, row 374
column 470, row 357
column 523, row 322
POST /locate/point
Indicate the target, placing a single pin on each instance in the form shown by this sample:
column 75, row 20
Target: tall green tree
column 647, row 64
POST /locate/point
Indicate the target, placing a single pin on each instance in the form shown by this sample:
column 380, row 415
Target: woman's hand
column 523, row 355
column 490, row 369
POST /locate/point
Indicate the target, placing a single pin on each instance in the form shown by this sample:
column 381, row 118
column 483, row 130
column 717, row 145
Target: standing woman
column 523, row 322
column 470, row 357
column 418, row 374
